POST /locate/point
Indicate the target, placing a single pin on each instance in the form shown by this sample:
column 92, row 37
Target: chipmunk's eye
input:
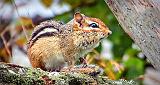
column 93, row 25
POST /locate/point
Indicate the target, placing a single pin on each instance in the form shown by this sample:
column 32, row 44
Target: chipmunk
column 53, row 43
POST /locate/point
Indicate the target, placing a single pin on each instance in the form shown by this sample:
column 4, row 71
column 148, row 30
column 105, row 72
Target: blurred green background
column 125, row 58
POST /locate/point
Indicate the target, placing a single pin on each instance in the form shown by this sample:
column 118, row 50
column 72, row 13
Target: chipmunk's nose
column 109, row 32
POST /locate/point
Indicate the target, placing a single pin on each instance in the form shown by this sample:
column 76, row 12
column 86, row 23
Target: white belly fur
column 54, row 62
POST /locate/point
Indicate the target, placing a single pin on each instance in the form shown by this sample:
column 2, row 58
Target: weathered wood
column 11, row 74
column 141, row 21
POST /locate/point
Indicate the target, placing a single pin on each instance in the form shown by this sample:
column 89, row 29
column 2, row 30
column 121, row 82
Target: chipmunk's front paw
column 83, row 62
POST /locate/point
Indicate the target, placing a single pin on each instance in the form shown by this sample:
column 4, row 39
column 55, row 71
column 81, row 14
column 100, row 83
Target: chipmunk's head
column 89, row 24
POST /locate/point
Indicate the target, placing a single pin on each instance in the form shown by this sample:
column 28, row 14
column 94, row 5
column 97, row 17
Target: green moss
column 35, row 73
column 20, row 79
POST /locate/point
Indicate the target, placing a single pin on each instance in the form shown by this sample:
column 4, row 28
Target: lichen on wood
column 11, row 74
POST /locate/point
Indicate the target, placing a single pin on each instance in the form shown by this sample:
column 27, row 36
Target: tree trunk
column 140, row 19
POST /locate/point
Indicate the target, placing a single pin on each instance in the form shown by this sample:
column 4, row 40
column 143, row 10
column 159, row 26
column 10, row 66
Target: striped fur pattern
column 45, row 29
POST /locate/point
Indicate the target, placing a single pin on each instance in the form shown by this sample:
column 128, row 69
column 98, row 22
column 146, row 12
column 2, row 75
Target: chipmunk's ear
column 78, row 17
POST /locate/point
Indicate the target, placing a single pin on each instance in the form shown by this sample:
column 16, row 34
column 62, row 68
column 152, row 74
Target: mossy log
column 11, row 74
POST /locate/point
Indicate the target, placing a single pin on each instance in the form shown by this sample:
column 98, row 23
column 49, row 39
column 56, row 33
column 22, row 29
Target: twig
column 23, row 27
column 5, row 42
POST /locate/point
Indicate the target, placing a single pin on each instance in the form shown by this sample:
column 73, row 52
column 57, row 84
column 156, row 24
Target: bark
column 11, row 74
column 151, row 77
column 140, row 19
